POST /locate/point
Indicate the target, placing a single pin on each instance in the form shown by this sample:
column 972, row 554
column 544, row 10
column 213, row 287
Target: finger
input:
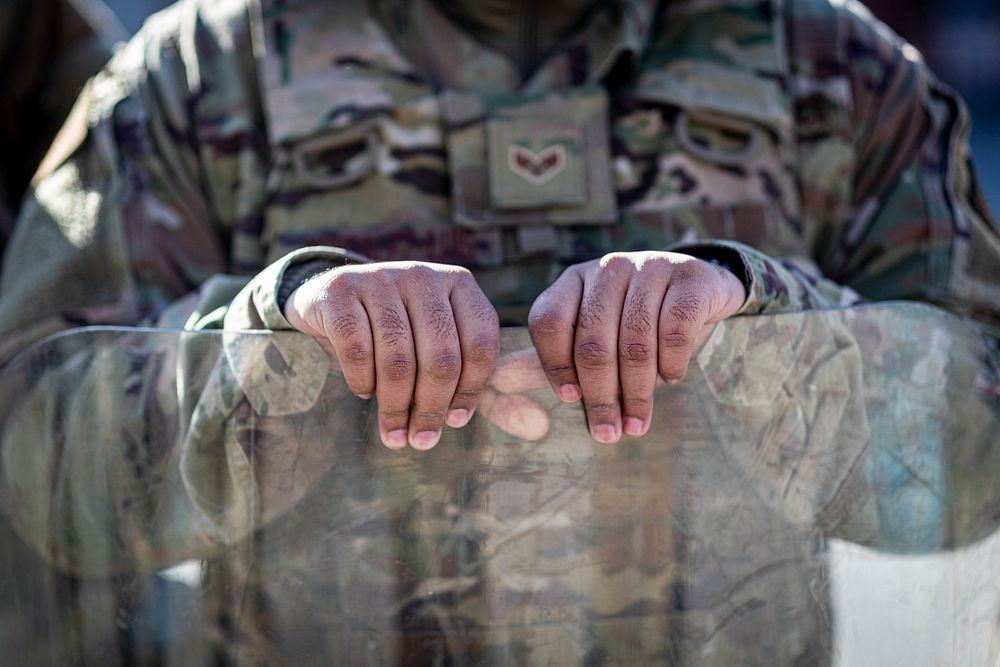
column 313, row 309
column 637, row 350
column 596, row 344
column 515, row 414
column 685, row 309
column 518, row 372
column 552, row 323
column 439, row 356
column 395, row 362
column 350, row 333
column 479, row 340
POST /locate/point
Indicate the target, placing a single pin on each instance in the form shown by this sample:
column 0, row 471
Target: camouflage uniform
column 48, row 49
column 798, row 142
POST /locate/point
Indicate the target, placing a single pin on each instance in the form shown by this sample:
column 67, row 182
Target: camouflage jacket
column 48, row 50
column 800, row 142
column 804, row 137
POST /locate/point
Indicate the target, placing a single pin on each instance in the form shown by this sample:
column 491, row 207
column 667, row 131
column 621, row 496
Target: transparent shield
column 821, row 489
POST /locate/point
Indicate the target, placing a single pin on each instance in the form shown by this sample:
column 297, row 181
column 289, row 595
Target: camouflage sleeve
column 155, row 184
column 124, row 217
column 890, row 203
column 138, row 212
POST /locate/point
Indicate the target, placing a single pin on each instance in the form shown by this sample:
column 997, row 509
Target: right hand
column 421, row 337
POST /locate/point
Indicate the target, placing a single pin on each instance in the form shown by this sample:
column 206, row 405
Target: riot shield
column 819, row 490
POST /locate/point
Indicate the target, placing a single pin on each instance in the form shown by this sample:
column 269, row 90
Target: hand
column 421, row 337
column 606, row 328
column 504, row 403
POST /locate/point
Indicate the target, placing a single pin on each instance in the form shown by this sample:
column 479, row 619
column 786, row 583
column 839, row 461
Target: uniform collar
column 615, row 35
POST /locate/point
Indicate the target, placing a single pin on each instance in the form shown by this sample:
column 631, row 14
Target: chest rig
column 373, row 153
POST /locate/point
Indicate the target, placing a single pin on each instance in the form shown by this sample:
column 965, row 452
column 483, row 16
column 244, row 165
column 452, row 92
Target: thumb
column 518, row 372
column 515, row 414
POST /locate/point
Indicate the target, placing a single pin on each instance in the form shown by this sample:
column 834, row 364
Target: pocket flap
column 708, row 87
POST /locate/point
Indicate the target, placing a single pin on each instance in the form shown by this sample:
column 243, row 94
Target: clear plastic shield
column 821, row 489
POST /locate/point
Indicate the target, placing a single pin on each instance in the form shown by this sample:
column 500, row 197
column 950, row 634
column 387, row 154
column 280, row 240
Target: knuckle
column 344, row 326
column 464, row 397
column 483, row 350
column 381, row 280
column 592, row 355
column 640, row 403
column 616, row 262
column 427, row 416
column 675, row 339
column 397, row 367
column 393, row 413
column 687, row 308
column 340, row 288
column 356, row 354
column 685, row 272
column 463, row 275
column 444, row 366
column 635, row 353
column 421, row 273
column 558, row 370
column 601, row 408
column 547, row 322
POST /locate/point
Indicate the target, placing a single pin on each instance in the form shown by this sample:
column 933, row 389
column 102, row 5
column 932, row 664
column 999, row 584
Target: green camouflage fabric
column 703, row 543
column 799, row 142
column 48, row 49
column 804, row 142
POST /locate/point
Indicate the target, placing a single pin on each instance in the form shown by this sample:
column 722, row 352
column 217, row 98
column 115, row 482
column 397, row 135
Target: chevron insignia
column 537, row 168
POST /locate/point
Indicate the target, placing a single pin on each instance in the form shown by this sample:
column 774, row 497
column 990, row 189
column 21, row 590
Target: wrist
column 297, row 275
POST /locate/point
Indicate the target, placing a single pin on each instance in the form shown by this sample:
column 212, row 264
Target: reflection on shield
column 181, row 498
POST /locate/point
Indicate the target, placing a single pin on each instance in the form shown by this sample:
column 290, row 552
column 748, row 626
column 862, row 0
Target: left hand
column 606, row 328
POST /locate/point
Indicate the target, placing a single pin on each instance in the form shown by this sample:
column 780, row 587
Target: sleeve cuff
column 258, row 305
column 732, row 256
column 774, row 285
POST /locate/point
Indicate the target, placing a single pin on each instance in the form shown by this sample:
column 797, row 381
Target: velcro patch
column 535, row 163
column 541, row 160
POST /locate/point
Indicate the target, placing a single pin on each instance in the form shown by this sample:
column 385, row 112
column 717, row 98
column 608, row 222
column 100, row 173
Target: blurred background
column 959, row 38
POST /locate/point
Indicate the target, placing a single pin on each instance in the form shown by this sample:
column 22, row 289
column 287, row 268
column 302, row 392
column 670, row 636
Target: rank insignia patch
column 537, row 168
column 530, row 160
column 536, row 163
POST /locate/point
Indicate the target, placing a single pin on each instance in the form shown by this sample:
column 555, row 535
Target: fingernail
column 634, row 426
column 364, row 397
column 395, row 439
column 425, row 440
column 606, row 433
column 457, row 418
column 569, row 393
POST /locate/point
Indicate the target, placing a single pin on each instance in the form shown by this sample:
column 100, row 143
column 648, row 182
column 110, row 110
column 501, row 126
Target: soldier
column 47, row 51
column 396, row 178
column 507, row 165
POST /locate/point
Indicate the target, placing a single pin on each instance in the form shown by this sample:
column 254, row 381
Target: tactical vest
column 371, row 155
